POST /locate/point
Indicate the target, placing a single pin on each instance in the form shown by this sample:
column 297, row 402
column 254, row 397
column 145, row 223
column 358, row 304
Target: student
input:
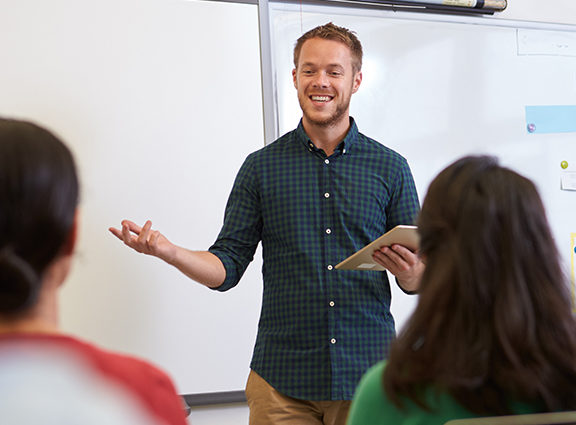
column 53, row 386
column 38, row 225
column 493, row 332
column 313, row 197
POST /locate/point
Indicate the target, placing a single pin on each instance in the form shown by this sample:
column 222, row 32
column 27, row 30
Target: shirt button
column 331, row 303
column 333, row 341
column 328, row 231
column 329, row 267
column 326, row 195
column 327, row 161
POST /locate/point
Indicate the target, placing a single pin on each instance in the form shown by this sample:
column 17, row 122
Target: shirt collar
column 344, row 146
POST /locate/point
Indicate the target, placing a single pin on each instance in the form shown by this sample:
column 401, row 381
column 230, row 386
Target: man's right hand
column 145, row 240
column 201, row 266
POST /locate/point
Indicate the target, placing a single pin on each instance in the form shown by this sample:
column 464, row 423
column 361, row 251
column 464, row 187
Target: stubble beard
column 330, row 121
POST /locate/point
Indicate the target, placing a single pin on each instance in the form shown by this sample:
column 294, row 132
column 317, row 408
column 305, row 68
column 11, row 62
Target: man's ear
column 294, row 78
column 357, row 81
column 70, row 244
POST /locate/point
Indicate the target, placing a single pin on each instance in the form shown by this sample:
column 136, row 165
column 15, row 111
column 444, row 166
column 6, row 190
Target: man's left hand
column 404, row 264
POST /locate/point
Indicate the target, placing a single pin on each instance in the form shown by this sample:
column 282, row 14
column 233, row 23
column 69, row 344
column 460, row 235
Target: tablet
column 362, row 260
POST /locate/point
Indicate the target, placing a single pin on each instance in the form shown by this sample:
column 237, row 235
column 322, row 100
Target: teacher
column 312, row 197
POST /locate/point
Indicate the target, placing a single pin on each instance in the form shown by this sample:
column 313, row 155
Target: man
column 313, row 197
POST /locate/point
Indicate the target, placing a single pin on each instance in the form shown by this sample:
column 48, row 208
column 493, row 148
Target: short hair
column 39, row 192
column 333, row 32
column 492, row 289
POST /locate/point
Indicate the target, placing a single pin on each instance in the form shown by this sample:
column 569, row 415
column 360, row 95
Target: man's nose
column 321, row 80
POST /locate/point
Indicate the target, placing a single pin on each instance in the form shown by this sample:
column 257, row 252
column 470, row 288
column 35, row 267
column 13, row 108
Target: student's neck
column 27, row 327
column 327, row 138
column 41, row 318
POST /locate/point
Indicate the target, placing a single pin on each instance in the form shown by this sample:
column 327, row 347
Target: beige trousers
column 269, row 407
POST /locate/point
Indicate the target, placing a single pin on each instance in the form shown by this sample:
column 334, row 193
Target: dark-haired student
column 493, row 332
column 38, row 224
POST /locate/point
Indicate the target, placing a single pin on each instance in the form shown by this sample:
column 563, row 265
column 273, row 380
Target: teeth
column 321, row 98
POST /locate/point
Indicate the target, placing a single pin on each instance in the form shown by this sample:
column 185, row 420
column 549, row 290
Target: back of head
column 484, row 230
column 492, row 290
column 333, row 32
column 38, row 199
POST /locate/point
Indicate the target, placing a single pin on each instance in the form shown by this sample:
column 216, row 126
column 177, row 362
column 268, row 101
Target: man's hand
column 201, row 266
column 145, row 240
column 404, row 264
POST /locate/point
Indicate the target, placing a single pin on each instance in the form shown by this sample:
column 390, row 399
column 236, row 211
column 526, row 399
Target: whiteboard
column 436, row 88
column 160, row 100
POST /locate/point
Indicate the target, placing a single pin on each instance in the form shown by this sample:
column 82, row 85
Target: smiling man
column 312, row 197
column 326, row 76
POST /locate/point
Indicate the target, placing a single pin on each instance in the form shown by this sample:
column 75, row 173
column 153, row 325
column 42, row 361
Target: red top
column 151, row 386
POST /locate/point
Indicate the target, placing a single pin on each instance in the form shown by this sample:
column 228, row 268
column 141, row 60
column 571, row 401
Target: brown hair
column 494, row 320
column 335, row 33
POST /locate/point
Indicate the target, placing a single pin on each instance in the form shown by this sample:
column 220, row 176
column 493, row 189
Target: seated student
column 493, row 332
column 38, row 224
column 56, row 387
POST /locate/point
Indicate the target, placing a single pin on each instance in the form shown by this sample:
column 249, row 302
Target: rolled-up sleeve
column 242, row 228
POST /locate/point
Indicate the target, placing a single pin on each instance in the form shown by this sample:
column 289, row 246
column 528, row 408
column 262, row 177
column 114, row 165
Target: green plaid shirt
column 320, row 328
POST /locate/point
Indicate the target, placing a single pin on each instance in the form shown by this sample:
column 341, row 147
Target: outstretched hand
column 404, row 264
column 145, row 240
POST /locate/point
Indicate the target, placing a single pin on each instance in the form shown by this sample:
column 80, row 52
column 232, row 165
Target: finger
column 391, row 255
column 402, row 256
column 133, row 227
column 381, row 258
column 145, row 232
column 389, row 259
column 115, row 232
column 126, row 235
column 403, row 250
column 407, row 255
column 398, row 249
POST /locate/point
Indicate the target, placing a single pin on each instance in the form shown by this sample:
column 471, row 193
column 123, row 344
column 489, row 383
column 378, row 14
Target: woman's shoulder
column 369, row 404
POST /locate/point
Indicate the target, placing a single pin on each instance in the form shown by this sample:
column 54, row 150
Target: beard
column 332, row 119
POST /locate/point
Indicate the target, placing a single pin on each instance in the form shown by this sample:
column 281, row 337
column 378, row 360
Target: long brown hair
column 494, row 320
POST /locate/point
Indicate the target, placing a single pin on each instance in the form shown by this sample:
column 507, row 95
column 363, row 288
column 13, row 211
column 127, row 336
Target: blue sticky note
column 551, row 119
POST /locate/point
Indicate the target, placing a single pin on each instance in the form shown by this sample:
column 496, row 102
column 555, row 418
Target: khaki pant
column 269, row 407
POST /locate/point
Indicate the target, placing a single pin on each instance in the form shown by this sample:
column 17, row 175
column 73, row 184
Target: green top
column 372, row 407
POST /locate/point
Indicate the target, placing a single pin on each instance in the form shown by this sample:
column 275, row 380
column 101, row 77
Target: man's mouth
column 317, row 98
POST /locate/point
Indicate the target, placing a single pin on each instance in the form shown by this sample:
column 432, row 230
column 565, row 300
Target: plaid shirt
column 320, row 328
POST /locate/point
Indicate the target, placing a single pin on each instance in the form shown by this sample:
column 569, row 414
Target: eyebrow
column 331, row 65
